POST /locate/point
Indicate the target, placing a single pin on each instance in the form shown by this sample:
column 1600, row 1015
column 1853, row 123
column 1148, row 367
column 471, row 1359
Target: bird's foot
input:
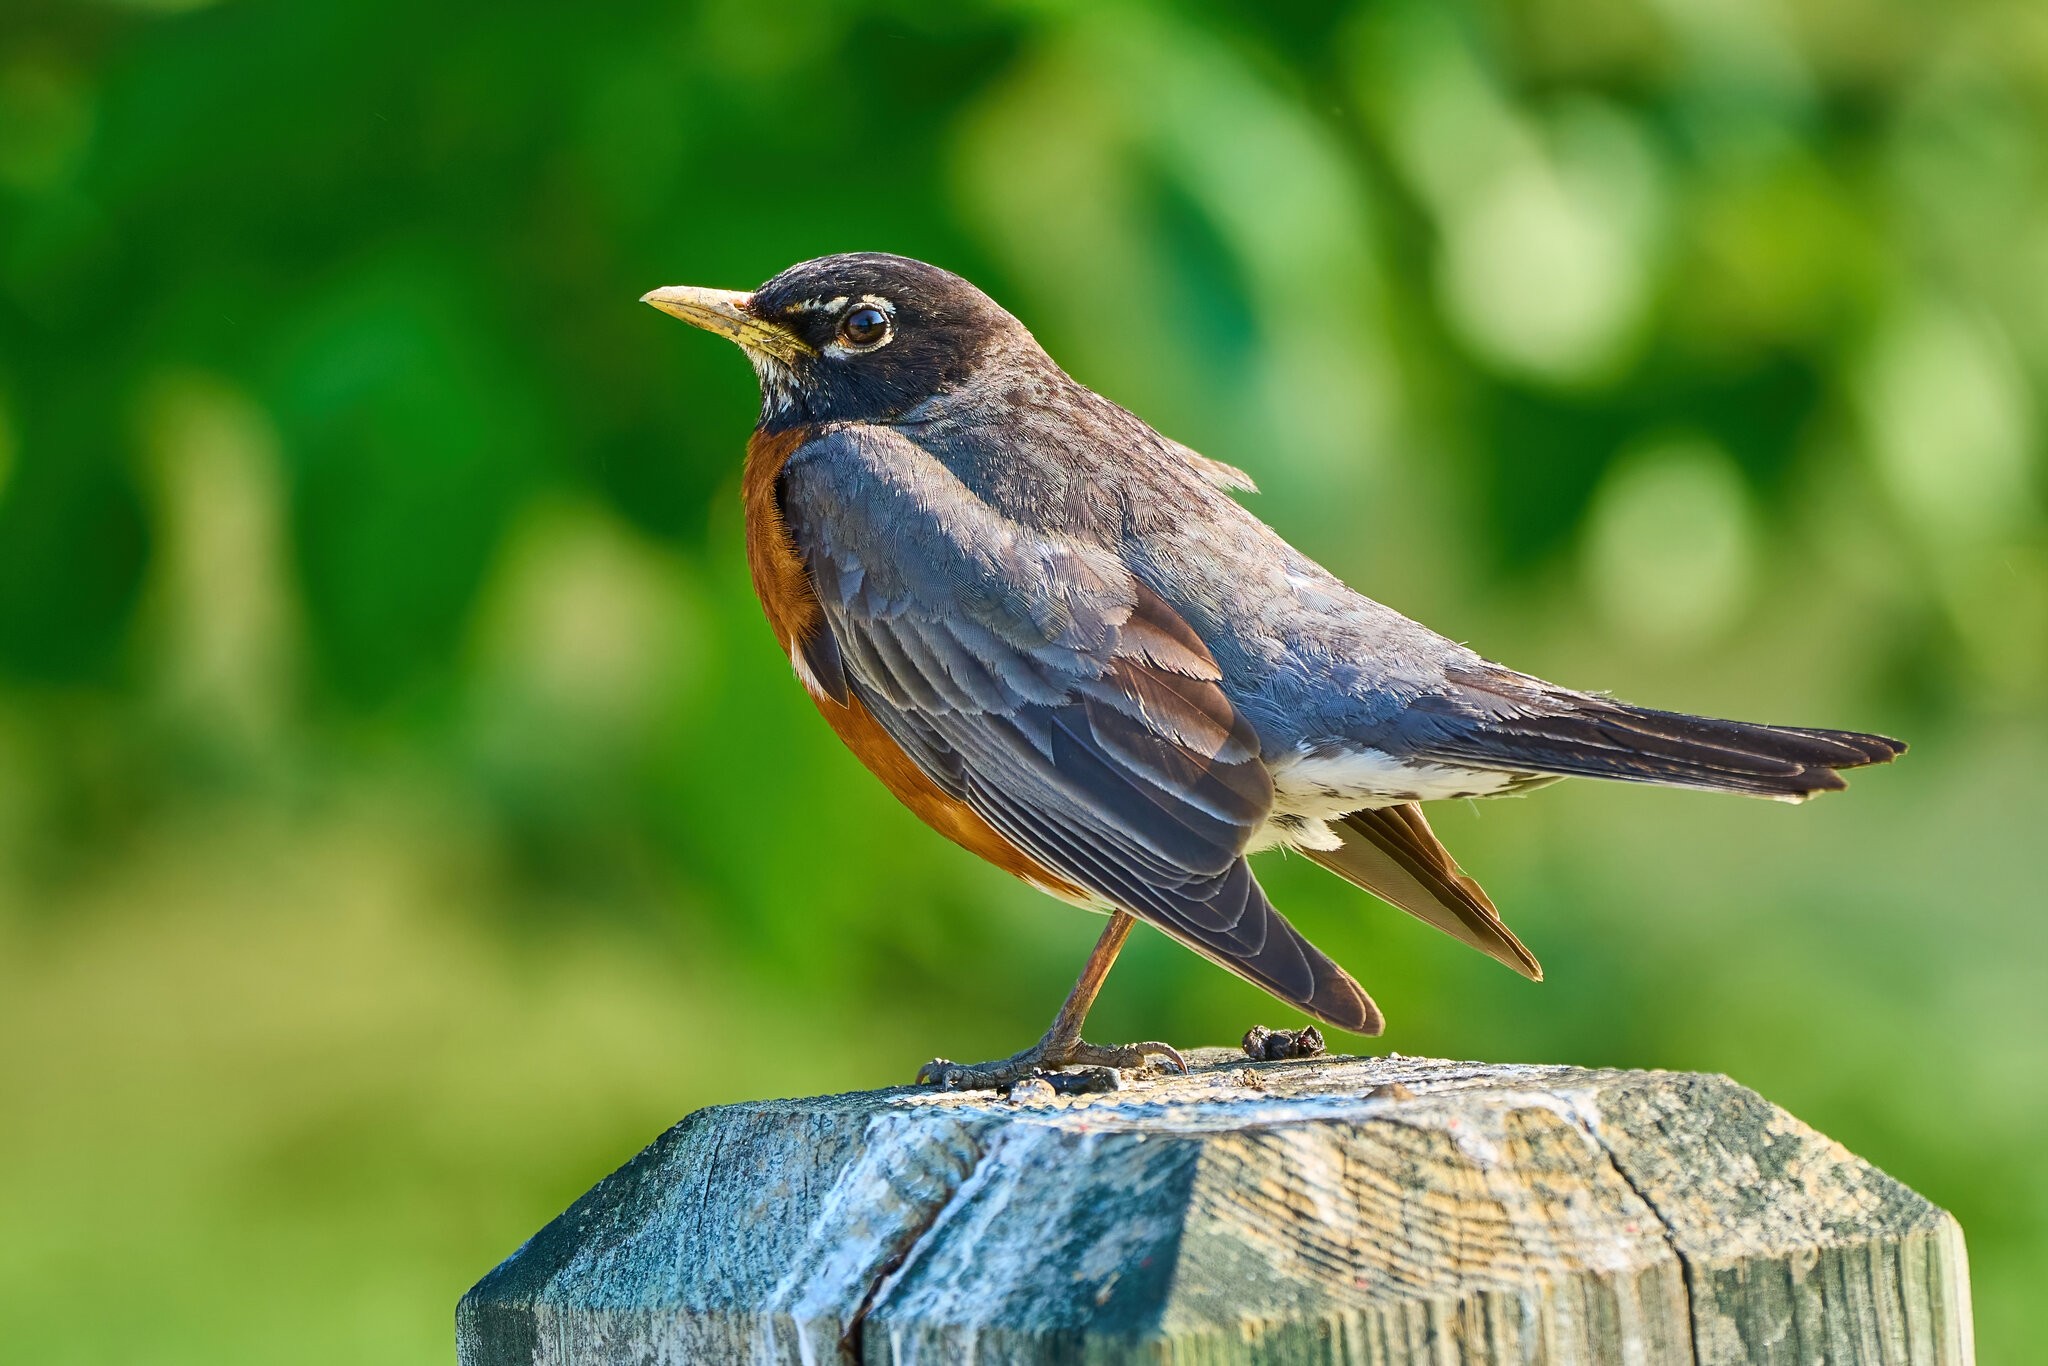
column 1103, row 1064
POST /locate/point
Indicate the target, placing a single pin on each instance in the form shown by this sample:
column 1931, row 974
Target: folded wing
column 1037, row 680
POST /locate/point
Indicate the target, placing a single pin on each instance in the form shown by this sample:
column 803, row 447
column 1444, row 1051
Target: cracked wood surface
column 1383, row 1211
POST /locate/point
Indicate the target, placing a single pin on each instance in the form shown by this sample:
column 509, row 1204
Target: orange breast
column 784, row 587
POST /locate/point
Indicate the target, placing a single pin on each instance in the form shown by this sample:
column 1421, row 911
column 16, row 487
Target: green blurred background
column 404, row 813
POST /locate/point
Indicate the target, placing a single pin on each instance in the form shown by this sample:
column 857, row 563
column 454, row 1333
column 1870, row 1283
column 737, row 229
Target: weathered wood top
column 1344, row 1210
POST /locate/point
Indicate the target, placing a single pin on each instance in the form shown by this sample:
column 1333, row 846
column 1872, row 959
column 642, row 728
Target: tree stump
column 1382, row 1210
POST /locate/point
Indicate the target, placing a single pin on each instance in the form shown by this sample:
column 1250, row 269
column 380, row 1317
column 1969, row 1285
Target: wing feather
column 1056, row 694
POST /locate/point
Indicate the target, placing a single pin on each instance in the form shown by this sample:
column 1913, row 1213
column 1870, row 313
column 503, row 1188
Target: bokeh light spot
column 1671, row 549
column 45, row 124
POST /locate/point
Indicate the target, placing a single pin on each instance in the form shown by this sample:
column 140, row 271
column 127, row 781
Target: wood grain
column 1381, row 1211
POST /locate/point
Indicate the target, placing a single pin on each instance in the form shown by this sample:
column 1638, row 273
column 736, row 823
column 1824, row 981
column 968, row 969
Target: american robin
column 1058, row 639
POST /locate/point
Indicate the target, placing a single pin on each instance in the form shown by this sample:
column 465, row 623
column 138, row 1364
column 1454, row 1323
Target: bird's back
column 1304, row 656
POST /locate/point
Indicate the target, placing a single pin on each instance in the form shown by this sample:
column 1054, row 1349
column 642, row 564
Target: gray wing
column 1035, row 679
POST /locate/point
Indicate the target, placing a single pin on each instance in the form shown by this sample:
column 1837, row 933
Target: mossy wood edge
column 1357, row 1210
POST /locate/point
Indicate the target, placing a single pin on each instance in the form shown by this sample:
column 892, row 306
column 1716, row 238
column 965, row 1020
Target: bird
column 1064, row 641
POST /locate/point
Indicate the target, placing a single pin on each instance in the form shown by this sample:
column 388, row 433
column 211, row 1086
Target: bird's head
column 861, row 337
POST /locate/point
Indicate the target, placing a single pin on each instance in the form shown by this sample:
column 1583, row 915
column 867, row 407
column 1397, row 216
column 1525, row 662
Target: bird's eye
column 864, row 327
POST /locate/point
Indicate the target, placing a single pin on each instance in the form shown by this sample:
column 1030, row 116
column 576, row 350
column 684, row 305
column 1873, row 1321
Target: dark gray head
column 860, row 337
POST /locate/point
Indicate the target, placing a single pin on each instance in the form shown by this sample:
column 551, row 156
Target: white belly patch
column 1310, row 790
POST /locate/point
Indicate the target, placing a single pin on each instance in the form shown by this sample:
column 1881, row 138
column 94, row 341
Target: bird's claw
column 945, row 1074
column 1103, row 1066
column 1129, row 1055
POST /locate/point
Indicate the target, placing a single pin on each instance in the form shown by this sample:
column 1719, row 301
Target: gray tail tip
column 1867, row 749
column 1876, row 749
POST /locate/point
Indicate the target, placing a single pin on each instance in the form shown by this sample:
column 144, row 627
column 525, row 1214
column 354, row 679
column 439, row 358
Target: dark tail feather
column 1580, row 736
column 1392, row 853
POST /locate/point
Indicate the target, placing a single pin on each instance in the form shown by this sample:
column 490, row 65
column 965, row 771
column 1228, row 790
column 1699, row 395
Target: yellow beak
column 730, row 314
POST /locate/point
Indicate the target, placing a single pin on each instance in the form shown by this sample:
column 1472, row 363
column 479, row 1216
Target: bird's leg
column 1062, row 1045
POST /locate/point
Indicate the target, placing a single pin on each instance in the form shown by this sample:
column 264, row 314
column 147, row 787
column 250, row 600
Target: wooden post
column 1385, row 1210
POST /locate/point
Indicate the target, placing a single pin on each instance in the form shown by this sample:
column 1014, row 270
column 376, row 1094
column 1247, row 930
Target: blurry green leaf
column 1671, row 550
column 72, row 536
column 45, row 120
column 410, row 435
